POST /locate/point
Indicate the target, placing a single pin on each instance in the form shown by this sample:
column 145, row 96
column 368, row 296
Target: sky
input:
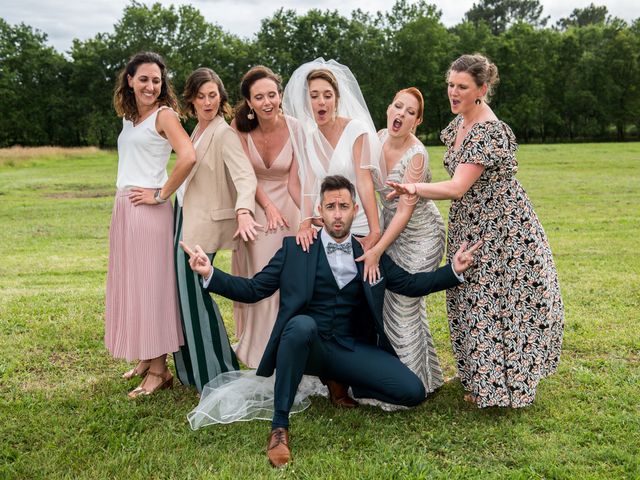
column 64, row 20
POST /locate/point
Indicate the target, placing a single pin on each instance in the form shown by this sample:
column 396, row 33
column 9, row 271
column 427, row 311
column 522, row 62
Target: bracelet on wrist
column 157, row 197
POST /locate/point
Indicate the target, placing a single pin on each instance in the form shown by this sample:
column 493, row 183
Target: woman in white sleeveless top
column 142, row 321
column 340, row 139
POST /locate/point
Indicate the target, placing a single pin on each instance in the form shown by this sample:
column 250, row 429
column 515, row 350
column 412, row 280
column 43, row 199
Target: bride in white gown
column 339, row 139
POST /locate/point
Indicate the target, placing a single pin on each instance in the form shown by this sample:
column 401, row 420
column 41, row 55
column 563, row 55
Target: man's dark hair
column 337, row 182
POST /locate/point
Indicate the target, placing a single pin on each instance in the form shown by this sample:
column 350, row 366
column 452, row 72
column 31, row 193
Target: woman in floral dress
column 507, row 318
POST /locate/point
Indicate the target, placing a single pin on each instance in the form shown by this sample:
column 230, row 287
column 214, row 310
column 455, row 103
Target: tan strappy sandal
column 167, row 382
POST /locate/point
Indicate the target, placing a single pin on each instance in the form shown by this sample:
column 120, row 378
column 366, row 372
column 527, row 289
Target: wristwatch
column 157, row 197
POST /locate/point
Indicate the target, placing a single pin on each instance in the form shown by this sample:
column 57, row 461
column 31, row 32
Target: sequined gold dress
column 419, row 248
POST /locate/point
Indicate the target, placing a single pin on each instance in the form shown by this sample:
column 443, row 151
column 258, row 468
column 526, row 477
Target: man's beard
column 346, row 231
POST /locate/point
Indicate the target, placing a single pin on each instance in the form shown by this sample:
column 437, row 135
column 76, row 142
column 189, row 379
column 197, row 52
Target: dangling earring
column 251, row 115
column 478, row 101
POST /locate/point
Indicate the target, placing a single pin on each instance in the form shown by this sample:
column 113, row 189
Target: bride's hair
column 327, row 76
column 244, row 124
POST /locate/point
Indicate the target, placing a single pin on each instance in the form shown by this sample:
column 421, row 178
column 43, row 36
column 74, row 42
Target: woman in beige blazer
column 214, row 209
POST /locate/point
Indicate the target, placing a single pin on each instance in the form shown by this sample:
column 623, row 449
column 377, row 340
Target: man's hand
column 463, row 258
column 198, row 260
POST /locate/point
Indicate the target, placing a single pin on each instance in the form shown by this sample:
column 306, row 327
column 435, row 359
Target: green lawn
column 64, row 412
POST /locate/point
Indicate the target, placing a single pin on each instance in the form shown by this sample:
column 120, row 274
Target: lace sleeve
column 416, row 171
column 417, row 166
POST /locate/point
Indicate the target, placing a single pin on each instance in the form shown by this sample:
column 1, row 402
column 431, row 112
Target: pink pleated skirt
column 142, row 320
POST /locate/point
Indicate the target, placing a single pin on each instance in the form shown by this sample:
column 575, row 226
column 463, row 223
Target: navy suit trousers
column 370, row 371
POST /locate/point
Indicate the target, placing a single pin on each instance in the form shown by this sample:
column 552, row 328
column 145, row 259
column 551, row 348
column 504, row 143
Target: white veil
column 313, row 150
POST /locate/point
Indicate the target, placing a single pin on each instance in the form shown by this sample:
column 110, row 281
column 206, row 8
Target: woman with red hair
column 413, row 236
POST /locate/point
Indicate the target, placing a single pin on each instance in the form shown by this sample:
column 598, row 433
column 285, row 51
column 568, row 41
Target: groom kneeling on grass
column 330, row 319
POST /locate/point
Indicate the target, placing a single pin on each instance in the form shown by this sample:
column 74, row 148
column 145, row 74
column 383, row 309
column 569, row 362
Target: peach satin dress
column 254, row 322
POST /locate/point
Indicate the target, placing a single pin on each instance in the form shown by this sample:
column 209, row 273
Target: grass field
column 64, row 412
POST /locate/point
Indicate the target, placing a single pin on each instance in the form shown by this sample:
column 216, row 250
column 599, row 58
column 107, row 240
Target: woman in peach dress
column 267, row 138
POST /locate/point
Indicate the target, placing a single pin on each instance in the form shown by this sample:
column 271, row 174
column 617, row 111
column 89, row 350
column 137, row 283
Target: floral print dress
column 507, row 318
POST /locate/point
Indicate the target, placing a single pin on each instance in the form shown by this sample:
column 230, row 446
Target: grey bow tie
column 345, row 247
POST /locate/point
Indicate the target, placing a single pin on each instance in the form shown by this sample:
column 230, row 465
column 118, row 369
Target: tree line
column 576, row 80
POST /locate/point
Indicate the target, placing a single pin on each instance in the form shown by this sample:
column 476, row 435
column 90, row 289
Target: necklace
column 464, row 127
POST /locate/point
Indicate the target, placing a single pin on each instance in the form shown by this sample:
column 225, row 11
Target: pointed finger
column 187, row 249
column 475, row 246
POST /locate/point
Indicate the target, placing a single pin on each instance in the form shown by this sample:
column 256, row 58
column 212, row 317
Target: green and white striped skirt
column 206, row 352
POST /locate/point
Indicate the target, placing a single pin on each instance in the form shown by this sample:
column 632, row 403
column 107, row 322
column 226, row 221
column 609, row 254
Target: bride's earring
column 251, row 115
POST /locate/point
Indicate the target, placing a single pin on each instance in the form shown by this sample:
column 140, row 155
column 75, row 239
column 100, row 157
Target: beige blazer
column 221, row 182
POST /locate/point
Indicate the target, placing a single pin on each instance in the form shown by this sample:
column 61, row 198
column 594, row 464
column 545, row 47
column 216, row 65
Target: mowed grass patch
column 64, row 408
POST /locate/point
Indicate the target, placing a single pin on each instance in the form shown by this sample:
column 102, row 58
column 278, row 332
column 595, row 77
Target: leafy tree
column 579, row 80
column 33, row 96
column 522, row 99
column 581, row 17
column 501, row 14
column 181, row 36
column 619, row 55
column 419, row 55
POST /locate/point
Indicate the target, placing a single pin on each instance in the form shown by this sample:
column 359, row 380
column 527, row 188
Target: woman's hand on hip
column 142, row 196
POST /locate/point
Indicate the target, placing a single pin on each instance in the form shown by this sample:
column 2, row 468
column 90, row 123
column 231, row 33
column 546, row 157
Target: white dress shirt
column 342, row 264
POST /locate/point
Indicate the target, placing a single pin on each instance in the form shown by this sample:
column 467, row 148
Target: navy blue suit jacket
column 293, row 271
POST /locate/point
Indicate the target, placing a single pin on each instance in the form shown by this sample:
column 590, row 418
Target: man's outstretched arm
column 419, row 284
column 240, row 289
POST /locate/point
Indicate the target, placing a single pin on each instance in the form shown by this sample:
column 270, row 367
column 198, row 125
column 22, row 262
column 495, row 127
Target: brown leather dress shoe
column 278, row 448
column 339, row 394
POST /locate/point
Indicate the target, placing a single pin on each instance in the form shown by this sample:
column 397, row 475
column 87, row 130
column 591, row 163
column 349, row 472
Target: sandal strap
column 162, row 376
